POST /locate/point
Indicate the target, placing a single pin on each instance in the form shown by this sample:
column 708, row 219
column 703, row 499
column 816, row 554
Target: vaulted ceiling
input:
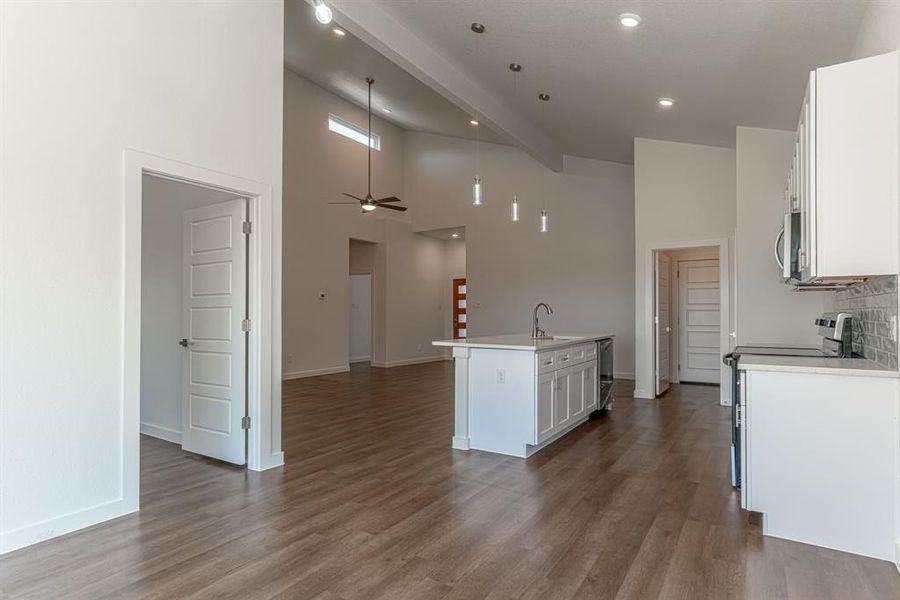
column 724, row 62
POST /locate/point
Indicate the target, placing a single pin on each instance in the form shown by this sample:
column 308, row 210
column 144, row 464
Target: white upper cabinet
column 843, row 176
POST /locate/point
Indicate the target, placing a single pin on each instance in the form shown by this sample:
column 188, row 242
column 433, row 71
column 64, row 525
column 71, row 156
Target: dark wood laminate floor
column 374, row 504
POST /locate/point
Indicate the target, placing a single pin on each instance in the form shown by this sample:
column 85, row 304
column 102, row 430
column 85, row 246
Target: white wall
column 319, row 166
column 164, row 203
column 407, row 291
column 682, row 193
column 768, row 311
column 583, row 267
column 81, row 82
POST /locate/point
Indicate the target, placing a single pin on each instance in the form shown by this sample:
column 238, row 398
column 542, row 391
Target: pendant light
column 477, row 197
column 514, row 209
column 515, row 68
column 544, row 223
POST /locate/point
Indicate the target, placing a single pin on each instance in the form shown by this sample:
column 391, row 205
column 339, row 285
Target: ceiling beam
column 373, row 25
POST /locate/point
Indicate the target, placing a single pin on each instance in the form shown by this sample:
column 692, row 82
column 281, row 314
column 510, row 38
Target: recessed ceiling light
column 666, row 102
column 543, row 97
column 629, row 20
column 477, row 27
column 474, row 122
column 515, row 67
column 456, row 235
column 339, row 32
column 323, row 13
column 387, row 110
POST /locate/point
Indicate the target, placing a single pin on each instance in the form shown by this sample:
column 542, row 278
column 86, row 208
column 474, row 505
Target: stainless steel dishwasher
column 604, row 374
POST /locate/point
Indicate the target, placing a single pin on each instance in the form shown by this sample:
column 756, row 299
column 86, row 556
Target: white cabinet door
column 589, row 378
column 561, row 416
column 546, row 385
column 576, row 392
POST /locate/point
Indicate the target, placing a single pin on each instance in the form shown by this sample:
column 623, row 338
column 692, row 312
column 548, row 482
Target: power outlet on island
column 501, row 375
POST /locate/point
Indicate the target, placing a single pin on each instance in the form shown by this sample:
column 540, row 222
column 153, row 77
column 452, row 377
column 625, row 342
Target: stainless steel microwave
column 787, row 248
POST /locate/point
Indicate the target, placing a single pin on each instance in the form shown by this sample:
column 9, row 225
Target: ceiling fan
column 368, row 204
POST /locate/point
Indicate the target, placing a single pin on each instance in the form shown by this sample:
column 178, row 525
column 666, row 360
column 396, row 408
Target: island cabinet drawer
column 546, row 362
column 590, row 351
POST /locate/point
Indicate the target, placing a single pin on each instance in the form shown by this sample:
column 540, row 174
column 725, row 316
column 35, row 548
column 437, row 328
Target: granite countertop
column 859, row 367
column 523, row 341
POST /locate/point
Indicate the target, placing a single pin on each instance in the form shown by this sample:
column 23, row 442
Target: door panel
column 661, row 319
column 460, row 320
column 561, row 413
column 698, row 293
column 546, row 386
column 214, row 304
column 590, row 386
column 576, row 393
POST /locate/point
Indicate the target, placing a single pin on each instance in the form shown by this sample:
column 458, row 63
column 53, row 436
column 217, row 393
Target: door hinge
column 245, row 325
column 247, row 227
column 245, row 422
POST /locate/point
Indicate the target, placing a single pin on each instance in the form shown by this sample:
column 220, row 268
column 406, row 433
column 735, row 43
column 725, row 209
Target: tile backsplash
column 874, row 308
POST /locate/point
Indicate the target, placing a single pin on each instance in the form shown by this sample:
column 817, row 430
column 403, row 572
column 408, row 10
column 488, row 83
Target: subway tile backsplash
column 874, row 308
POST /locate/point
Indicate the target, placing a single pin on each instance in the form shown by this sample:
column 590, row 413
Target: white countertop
column 523, row 341
column 860, row 367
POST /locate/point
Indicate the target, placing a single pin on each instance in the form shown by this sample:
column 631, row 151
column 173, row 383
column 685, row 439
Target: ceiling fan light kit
column 369, row 204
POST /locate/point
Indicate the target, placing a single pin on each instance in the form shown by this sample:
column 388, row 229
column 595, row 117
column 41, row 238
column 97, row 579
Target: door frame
column 646, row 344
column 264, row 298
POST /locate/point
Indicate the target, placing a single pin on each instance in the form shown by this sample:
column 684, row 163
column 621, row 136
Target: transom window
column 354, row 132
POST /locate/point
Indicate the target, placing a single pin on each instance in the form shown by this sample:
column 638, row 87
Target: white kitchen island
column 515, row 394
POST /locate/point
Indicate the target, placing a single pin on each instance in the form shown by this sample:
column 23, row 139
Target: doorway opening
column 361, row 311
column 689, row 316
column 194, row 316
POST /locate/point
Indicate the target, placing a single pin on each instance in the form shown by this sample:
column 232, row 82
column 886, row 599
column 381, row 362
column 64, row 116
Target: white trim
column 408, row 361
column 647, row 342
column 264, row 356
column 161, row 433
column 315, row 372
column 629, row 376
column 360, row 359
column 644, row 394
column 45, row 530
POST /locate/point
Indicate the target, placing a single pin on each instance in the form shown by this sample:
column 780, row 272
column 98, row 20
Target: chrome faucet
column 536, row 331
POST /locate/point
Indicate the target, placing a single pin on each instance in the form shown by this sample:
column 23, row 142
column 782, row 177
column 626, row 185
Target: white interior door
column 214, row 296
column 698, row 299
column 662, row 320
column 360, row 318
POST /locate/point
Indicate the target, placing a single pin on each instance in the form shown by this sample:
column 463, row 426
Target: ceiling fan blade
column 389, row 199
column 348, row 203
column 352, row 196
column 392, row 207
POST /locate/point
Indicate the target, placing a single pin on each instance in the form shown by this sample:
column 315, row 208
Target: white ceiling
column 341, row 65
column 725, row 62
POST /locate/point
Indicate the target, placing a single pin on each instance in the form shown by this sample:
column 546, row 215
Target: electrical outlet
column 501, row 375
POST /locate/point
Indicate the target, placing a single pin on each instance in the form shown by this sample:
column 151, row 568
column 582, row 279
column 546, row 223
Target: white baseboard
column 160, row 432
column 315, row 372
column 644, row 394
column 270, row 462
column 623, row 376
column 45, row 530
column 408, row 361
column 360, row 359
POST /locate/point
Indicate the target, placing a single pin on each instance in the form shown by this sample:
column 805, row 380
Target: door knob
column 184, row 342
